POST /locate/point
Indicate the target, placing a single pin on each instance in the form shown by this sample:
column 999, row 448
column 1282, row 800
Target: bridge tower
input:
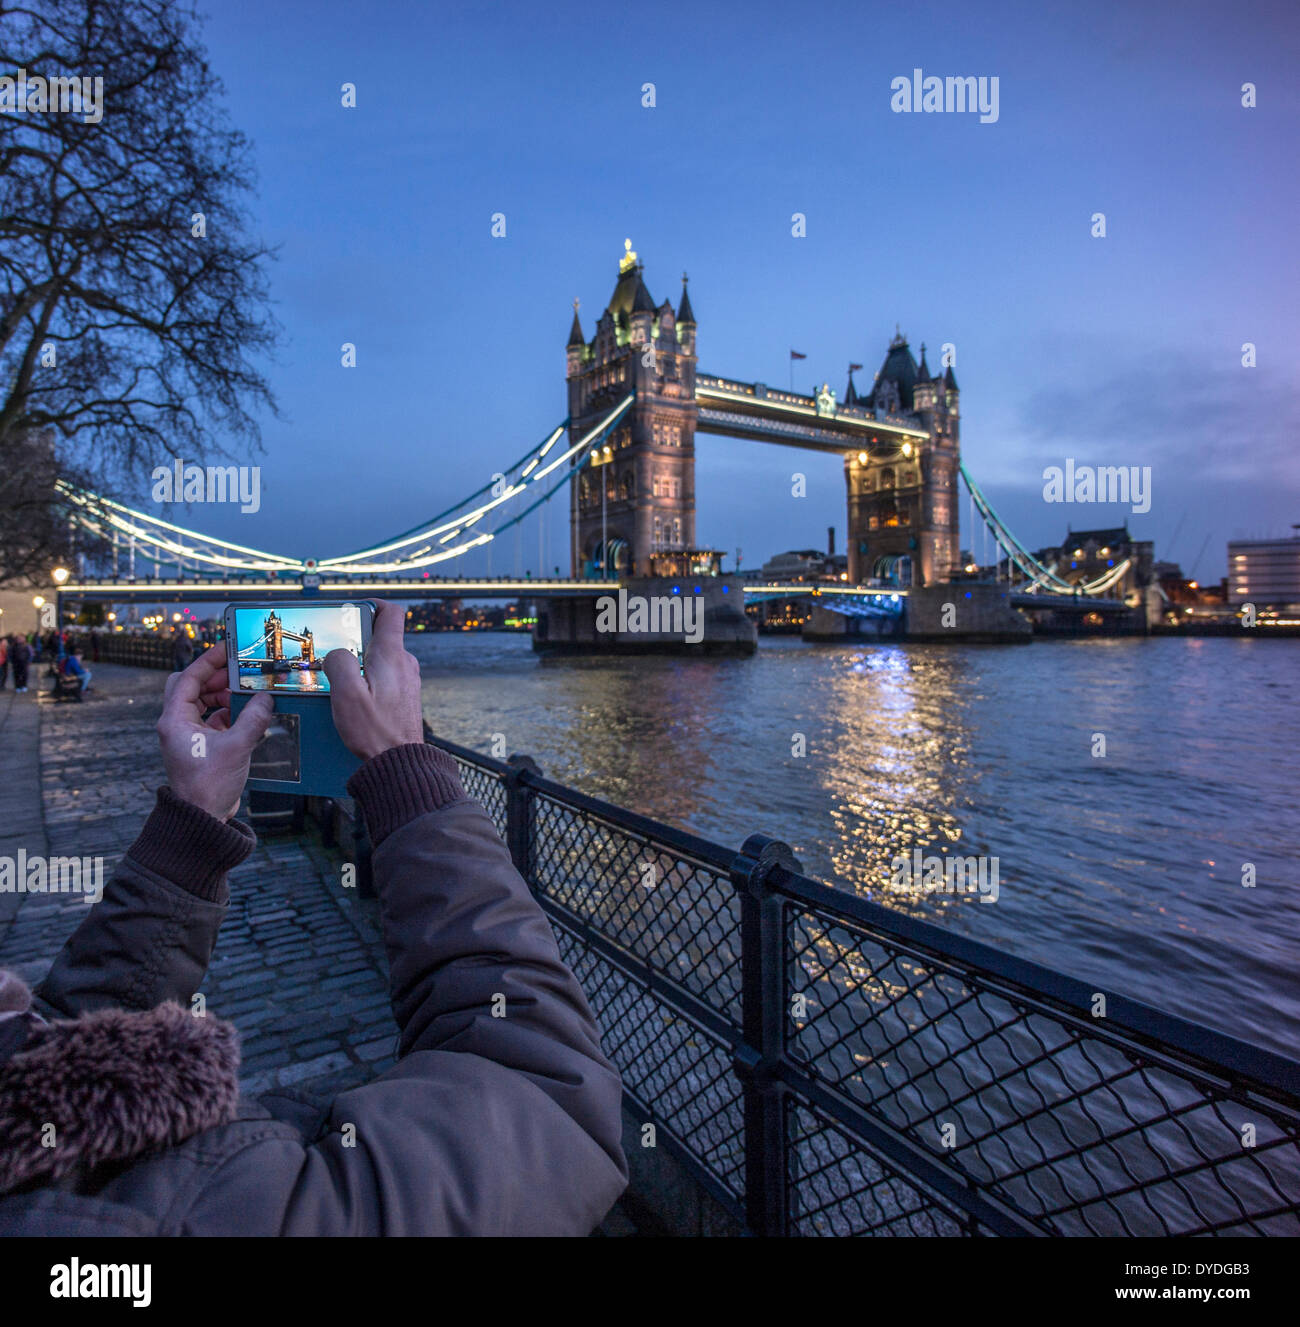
column 903, row 509
column 635, row 499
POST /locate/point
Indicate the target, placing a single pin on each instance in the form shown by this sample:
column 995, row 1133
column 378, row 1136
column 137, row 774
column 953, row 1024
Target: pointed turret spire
column 641, row 301
column 950, row 379
column 576, row 337
column 685, row 314
column 923, row 373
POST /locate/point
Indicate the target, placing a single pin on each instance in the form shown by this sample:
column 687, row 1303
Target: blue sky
column 1123, row 350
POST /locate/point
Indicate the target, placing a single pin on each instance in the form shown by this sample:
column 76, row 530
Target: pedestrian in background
column 21, row 654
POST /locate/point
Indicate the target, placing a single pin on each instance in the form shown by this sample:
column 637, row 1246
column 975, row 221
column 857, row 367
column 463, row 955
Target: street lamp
column 60, row 575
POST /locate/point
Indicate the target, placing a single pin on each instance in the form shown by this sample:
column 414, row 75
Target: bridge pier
column 649, row 615
column 975, row 612
column 825, row 624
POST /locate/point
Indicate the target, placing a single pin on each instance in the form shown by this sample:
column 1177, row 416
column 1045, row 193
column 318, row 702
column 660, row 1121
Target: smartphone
column 281, row 647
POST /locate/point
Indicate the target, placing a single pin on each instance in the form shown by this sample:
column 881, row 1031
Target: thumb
column 344, row 673
column 254, row 719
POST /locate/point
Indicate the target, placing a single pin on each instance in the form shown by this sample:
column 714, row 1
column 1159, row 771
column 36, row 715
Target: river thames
column 1125, row 870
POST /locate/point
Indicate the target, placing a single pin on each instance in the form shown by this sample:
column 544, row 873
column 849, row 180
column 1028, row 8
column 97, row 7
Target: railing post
column 518, row 813
column 763, row 1016
column 363, row 854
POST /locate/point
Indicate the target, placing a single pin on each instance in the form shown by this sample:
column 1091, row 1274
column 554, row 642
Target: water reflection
column 1125, row 870
column 897, row 758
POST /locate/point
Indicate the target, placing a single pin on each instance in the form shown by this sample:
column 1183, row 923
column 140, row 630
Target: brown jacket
column 485, row 1126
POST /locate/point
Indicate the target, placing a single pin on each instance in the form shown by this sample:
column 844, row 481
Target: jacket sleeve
column 502, row 1117
column 150, row 937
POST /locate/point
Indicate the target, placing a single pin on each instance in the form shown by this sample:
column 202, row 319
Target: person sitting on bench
column 73, row 668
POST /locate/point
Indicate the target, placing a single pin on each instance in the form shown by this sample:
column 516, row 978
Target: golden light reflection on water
column 896, row 766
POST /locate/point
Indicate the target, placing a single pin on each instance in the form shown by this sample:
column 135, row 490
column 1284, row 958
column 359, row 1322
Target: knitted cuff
column 402, row 783
column 190, row 848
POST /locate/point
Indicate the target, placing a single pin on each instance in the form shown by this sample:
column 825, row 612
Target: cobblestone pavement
column 299, row 966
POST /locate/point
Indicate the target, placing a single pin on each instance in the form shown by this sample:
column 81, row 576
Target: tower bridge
column 633, row 513
column 625, row 453
column 274, row 634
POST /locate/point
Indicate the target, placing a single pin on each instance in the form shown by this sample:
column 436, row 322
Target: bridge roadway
column 211, row 590
column 736, row 409
column 215, row 589
column 1069, row 603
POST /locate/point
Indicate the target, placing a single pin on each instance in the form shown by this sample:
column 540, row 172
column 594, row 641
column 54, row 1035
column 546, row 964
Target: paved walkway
column 21, row 823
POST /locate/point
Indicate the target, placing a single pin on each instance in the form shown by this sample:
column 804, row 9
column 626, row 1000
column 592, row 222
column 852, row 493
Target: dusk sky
column 1124, row 350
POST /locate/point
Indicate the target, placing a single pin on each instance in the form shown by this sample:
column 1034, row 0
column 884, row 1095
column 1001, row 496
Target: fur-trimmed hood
column 107, row 1087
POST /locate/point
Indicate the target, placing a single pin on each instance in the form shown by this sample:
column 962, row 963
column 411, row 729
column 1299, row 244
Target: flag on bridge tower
column 794, row 354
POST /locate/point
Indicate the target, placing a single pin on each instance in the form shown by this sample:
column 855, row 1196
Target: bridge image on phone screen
column 284, row 650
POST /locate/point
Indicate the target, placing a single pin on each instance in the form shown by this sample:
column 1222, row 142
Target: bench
column 67, row 686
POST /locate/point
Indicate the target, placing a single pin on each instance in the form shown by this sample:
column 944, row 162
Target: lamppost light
column 60, row 574
column 38, row 600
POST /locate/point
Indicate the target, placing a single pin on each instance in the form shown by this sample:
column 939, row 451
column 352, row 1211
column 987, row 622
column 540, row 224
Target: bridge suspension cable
column 528, row 473
column 1038, row 574
column 164, row 543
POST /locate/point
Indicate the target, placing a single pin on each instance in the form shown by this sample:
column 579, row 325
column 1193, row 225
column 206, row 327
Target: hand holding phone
column 207, row 762
column 380, row 708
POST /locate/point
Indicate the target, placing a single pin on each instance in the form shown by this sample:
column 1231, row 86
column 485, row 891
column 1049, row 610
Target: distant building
column 807, row 564
column 1086, row 556
column 1264, row 571
column 803, row 564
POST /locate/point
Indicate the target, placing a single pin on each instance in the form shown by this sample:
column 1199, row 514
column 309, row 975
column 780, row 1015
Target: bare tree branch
column 125, row 339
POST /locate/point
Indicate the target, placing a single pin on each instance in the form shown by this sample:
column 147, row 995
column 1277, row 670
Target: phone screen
column 284, row 649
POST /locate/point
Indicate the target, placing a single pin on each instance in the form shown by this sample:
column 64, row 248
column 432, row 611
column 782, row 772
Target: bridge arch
column 893, row 569
column 614, row 550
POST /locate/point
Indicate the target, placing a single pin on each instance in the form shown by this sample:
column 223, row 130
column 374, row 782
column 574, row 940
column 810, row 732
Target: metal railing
column 822, row 1065
column 137, row 649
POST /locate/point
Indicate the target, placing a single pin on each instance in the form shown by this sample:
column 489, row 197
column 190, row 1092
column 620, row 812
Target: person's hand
column 207, row 763
column 380, row 709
